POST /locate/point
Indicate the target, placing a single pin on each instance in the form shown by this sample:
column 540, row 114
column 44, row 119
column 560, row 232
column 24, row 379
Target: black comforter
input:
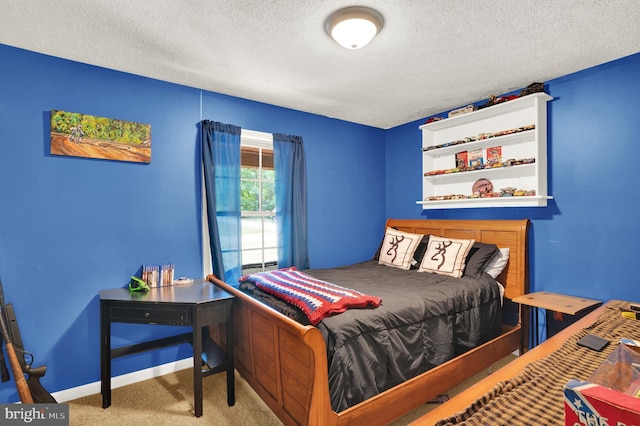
column 425, row 319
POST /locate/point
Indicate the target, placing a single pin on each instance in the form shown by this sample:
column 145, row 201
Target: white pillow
column 398, row 248
column 497, row 263
column 445, row 256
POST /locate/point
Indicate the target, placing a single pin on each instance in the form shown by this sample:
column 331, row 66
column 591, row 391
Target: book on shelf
column 494, row 155
column 476, row 158
column 461, row 160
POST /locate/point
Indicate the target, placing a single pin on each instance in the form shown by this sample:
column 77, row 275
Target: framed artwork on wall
column 82, row 135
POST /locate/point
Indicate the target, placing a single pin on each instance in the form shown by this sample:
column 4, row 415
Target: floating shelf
column 515, row 114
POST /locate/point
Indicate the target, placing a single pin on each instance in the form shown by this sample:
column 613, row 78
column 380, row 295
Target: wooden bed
column 465, row 399
column 286, row 362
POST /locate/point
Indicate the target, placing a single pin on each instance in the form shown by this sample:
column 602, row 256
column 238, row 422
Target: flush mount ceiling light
column 354, row 27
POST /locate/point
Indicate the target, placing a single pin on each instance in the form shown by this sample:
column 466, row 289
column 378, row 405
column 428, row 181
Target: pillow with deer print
column 398, row 248
column 445, row 256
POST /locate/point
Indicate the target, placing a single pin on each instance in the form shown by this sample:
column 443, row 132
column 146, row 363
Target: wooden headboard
column 512, row 234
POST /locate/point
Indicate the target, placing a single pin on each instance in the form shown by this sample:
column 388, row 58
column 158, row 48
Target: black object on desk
column 593, row 342
column 198, row 304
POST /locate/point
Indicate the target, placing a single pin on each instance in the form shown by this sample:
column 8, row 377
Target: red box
column 588, row 404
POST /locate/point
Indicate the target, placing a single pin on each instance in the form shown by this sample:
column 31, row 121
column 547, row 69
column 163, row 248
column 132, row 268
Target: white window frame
column 255, row 139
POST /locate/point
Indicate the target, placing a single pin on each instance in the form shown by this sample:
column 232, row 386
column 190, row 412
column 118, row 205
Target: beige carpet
column 168, row 400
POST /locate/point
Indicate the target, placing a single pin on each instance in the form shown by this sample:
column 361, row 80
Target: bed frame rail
column 286, row 362
column 283, row 361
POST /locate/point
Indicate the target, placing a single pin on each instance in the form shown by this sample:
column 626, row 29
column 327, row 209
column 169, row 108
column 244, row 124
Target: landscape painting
column 82, row 135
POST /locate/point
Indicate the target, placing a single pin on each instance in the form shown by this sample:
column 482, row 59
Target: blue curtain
column 291, row 201
column 221, row 166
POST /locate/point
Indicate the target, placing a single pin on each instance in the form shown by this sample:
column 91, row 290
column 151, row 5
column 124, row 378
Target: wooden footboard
column 286, row 362
column 283, row 361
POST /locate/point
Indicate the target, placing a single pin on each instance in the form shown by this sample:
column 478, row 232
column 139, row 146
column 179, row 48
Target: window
column 258, row 203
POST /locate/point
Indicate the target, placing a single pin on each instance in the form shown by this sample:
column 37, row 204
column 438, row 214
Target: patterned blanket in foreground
column 535, row 397
column 317, row 299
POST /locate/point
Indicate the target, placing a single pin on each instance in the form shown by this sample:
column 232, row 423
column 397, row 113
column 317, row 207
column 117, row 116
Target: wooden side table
column 569, row 305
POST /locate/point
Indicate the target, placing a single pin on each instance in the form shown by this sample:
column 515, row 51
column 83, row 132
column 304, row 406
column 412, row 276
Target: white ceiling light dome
column 354, row 27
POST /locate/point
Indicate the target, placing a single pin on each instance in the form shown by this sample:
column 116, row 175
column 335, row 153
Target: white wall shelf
column 525, row 111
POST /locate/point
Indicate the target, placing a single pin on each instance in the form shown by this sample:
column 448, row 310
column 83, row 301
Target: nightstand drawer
column 151, row 315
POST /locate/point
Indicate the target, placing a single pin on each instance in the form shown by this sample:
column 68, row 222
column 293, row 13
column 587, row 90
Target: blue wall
column 585, row 242
column 70, row 227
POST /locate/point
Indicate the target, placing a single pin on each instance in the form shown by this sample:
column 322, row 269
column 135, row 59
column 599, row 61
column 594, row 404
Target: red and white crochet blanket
column 316, row 298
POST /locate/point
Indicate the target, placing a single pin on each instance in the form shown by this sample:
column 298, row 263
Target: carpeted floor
column 168, row 400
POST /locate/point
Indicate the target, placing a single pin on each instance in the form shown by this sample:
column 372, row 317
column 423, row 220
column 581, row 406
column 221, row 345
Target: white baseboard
column 123, row 380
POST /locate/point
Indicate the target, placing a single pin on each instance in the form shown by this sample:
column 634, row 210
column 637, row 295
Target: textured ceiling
column 431, row 55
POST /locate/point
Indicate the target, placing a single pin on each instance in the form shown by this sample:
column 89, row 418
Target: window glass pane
column 252, row 258
column 249, row 173
column 268, row 197
column 270, row 237
column 251, row 234
column 268, row 175
column 271, row 256
column 250, row 195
